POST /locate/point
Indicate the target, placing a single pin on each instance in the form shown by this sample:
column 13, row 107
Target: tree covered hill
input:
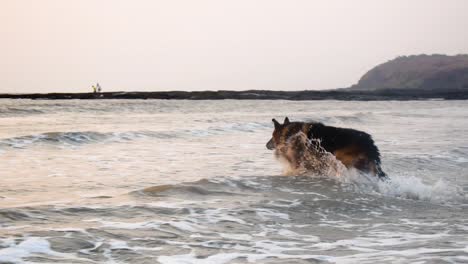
column 425, row 72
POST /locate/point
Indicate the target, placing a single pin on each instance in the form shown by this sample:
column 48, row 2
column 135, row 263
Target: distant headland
column 417, row 77
column 421, row 72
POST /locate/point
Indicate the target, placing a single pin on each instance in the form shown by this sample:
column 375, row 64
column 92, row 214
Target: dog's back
column 354, row 148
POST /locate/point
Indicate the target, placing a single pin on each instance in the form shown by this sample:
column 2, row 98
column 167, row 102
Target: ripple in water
column 192, row 182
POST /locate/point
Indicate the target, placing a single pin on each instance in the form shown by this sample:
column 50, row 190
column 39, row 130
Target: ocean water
column 154, row 181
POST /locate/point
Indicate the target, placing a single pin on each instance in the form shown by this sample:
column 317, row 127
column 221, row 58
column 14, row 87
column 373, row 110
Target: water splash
column 411, row 187
column 302, row 156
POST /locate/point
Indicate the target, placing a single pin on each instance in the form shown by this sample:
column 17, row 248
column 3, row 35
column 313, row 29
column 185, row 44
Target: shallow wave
column 192, row 190
column 298, row 219
column 351, row 181
column 14, row 111
column 200, row 189
column 87, row 137
column 77, row 138
column 12, row 215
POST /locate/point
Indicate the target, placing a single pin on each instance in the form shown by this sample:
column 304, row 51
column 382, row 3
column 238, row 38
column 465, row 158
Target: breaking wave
column 411, row 187
column 87, row 137
column 76, row 138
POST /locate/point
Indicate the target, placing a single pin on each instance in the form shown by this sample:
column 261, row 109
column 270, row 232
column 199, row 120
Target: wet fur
column 353, row 148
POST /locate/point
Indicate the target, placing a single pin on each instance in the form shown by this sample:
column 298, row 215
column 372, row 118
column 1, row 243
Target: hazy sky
column 64, row 45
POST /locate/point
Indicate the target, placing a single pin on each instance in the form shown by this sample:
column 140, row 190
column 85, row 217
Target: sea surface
column 155, row 181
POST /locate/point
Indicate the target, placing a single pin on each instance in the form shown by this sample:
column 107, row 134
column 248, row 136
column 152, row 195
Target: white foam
column 401, row 186
column 397, row 256
column 285, row 203
column 236, row 236
column 411, row 187
column 180, row 225
column 222, row 258
column 192, row 258
column 293, row 235
column 134, row 225
column 413, row 223
column 119, row 244
column 214, row 216
column 341, row 224
column 268, row 214
column 15, row 253
column 185, row 226
column 380, row 239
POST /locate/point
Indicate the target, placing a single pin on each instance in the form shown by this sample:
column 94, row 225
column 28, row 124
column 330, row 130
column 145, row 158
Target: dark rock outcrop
column 339, row 94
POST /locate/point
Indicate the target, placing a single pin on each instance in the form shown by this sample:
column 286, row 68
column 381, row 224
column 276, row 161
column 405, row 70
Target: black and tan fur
column 353, row 148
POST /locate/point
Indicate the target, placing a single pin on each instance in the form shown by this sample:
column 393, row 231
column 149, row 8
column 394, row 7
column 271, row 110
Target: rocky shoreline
column 338, row 94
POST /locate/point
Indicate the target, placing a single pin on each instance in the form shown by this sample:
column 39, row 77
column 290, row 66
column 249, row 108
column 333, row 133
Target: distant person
column 98, row 88
column 94, row 89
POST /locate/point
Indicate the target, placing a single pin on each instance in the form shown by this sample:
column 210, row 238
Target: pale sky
column 66, row 46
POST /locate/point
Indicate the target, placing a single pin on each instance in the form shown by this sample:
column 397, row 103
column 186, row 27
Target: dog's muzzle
column 270, row 145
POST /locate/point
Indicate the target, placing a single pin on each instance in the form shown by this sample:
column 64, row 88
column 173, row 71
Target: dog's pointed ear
column 277, row 124
column 286, row 121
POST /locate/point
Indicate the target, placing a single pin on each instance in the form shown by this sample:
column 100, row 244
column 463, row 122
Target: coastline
column 338, row 94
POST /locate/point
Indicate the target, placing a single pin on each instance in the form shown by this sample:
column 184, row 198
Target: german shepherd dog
column 353, row 148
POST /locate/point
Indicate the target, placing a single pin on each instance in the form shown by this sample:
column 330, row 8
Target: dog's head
column 277, row 133
column 283, row 132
